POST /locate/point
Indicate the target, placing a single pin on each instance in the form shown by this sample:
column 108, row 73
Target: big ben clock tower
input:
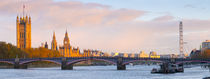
column 66, row 41
column 66, row 48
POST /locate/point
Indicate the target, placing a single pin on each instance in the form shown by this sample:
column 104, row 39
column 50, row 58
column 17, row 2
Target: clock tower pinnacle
column 66, row 41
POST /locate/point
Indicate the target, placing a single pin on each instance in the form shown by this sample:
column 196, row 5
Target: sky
column 127, row 26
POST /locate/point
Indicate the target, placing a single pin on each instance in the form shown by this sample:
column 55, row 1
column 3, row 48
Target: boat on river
column 168, row 68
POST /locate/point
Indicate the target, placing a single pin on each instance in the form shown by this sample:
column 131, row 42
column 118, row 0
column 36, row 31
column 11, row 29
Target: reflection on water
column 100, row 72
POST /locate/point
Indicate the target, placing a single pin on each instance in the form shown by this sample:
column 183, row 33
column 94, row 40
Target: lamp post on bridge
column 17, row 64
column 17, row 61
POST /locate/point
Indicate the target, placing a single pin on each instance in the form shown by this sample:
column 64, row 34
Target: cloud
column 74, row 13
column 97, row 26
column 80, row 14
column 190, row 6
column 164, row 18
column 194, row 6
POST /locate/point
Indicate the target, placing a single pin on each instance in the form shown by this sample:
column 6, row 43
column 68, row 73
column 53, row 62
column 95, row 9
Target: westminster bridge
column 121, row 62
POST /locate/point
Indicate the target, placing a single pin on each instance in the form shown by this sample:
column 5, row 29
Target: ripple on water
column 100, row 72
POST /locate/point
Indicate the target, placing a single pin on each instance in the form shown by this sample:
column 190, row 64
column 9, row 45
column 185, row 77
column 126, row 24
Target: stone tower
column 66, row 41
column 54, row 43
column 23, row 32
column 66, row 49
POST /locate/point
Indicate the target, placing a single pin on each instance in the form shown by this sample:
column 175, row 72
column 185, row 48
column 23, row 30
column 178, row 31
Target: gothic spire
column 54, row 43
column 54, row 35
column 66, row 34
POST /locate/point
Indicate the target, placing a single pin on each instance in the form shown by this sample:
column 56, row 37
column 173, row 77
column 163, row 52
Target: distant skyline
column 111, row 25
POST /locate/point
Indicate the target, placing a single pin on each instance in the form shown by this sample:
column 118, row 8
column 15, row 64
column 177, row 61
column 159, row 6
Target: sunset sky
column 111, row 25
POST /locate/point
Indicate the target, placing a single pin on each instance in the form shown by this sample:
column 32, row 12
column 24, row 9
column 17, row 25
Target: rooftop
column 207, row 40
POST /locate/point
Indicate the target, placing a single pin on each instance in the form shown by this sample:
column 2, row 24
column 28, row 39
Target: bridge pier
column 120, row 65
column 17, row 64
column 64, row 65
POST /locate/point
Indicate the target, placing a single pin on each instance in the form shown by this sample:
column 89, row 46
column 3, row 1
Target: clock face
column 65, row 42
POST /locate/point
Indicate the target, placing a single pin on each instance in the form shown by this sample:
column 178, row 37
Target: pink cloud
column 97, row 26
column 164, row 18
column 80, row 14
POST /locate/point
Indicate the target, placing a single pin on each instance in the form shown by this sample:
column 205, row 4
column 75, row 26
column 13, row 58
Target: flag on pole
column 24, row 9
column 24, row 6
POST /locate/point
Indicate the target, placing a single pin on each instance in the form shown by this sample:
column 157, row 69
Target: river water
column 100, row 72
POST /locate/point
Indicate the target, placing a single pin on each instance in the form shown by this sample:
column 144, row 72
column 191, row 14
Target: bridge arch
column 8, row 62
column 80, row 60
column 132, row 61
column 36, row 60
column 196, row 61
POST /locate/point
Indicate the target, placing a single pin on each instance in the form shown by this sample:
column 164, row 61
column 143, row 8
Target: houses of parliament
column 67, row 50
column 23, row 34
column 23, row 26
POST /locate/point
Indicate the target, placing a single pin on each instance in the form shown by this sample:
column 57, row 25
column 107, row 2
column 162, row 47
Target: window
column 23, row 35
column 20, row 35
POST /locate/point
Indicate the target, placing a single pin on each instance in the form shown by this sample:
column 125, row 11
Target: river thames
column 100, row 72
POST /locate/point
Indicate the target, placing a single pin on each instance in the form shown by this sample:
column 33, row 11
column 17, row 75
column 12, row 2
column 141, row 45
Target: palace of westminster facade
column 67, row 50
column 23, row 29
column 23, row 25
